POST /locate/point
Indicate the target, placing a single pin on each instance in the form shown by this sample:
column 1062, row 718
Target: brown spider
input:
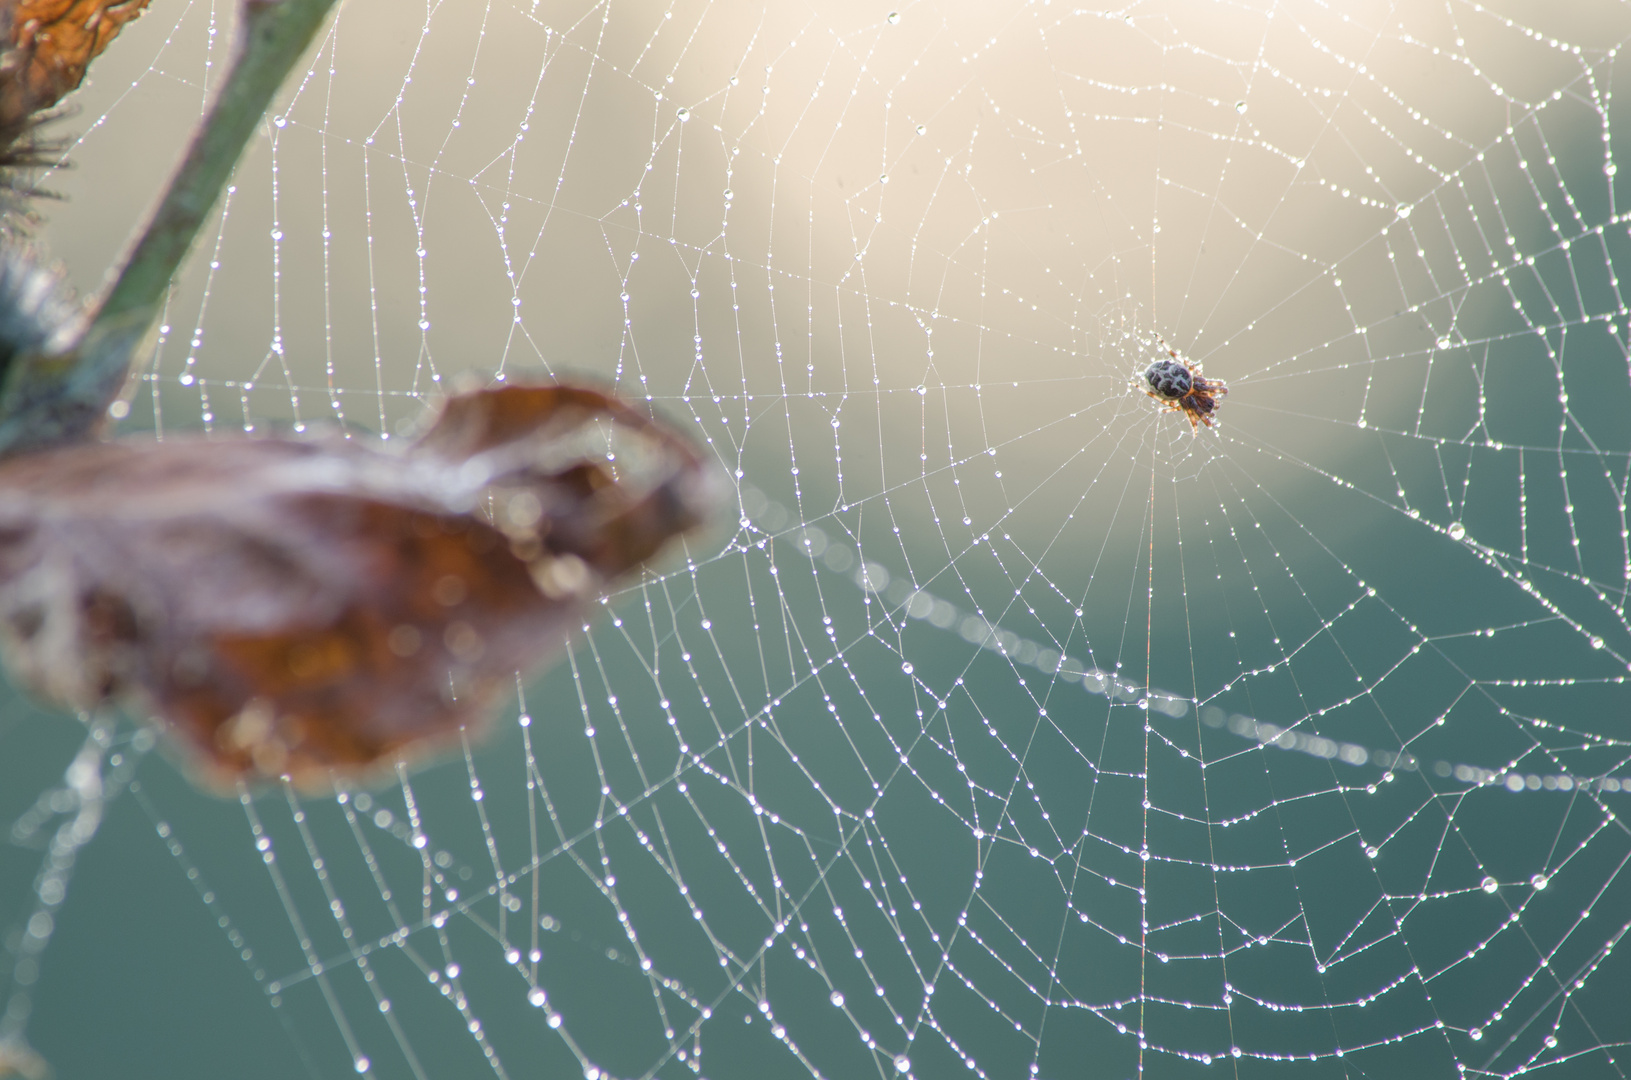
column 1178, row 385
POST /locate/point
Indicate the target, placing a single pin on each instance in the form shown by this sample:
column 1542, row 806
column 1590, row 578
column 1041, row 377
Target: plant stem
column 56, row 399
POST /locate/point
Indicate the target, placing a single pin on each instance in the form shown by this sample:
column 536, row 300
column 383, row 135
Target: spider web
column 1007, row 724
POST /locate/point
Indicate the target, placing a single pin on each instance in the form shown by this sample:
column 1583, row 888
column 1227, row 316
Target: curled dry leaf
column 48, row 46
column 290, row 607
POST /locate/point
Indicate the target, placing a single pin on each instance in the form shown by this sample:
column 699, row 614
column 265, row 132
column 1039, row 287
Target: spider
column 1178, row 385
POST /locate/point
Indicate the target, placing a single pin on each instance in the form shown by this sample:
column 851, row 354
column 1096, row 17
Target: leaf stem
column 49, row 400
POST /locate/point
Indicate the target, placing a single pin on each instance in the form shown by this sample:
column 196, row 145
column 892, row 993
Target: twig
column 56, row 399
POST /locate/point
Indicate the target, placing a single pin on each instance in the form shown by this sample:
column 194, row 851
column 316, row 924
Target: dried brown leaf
column 291, row 607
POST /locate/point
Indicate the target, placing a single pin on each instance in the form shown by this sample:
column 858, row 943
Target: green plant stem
column 56, row 399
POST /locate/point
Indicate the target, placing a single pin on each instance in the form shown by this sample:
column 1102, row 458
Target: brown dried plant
column 48, row 46
column 289, row 607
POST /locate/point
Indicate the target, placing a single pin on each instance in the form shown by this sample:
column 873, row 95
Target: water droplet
column 894, row 17
column 922, row 129
column 684, row 114
column 837, row 999
column 1489, row 885
column 1402, row 210
column 1475, row 1034
column 1539, row 881
column 906, row 667
column 1240, row 106
column 1456, row 530
column 903, row 1063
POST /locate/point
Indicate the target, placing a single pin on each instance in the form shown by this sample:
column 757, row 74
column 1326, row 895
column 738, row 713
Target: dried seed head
column 49, row 45
column 45, row 48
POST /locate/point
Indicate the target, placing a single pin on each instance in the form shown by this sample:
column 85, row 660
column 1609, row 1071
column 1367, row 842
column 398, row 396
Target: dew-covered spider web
column 1005, row 726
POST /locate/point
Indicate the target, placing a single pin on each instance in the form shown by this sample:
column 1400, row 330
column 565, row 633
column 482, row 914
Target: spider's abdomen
column 1169, row 380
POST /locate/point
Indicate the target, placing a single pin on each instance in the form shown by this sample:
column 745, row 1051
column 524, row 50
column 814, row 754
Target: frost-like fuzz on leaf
column 37, row 308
